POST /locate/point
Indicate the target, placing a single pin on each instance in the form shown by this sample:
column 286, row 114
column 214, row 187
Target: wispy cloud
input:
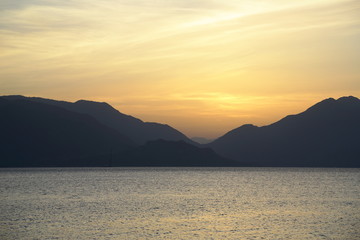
column 205, row 58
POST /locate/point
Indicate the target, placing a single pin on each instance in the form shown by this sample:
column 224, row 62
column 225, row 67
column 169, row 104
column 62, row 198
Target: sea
column 180, row 203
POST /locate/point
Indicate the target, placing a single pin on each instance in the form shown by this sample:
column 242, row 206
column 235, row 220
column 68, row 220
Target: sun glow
column 203, row 67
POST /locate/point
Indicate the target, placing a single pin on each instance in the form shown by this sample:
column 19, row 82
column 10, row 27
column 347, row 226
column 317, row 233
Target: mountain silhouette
column 37, row 134
column 162, row 153
column 202, row 140
column 325, row 135
column 137, row 130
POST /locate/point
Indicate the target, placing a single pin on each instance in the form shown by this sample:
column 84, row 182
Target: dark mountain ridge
column 162, row 153
column 38, row 134
column 140, row 132
column 325, row 135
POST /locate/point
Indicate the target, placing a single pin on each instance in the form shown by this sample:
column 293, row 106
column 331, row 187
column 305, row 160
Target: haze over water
column 180, row 203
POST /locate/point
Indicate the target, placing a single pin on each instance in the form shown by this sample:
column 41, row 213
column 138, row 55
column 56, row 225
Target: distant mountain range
column 172, row 154
column 325, row 135
column 38, row 132
column 138, row 131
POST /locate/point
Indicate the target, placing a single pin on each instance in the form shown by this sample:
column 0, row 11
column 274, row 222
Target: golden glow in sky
column 201, row 66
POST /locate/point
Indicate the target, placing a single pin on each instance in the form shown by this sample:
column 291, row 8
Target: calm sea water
column 180, row 203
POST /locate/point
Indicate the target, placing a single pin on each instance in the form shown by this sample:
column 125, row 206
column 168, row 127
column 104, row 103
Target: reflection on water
column 180, row 203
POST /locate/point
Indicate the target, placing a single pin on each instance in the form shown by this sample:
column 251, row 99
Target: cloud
column 203, row 58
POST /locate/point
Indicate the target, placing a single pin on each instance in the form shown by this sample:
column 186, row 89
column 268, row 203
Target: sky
column 202, row 66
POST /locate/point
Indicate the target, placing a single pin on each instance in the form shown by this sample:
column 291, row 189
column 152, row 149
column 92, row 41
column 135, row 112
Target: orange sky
column 201, row 66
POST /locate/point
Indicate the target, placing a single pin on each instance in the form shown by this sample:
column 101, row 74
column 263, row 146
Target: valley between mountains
column 38, row 132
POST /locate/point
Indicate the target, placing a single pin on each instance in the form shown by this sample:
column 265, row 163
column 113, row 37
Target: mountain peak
column 245, row 127
column 326, row 101
column 88, row 102
column 349, row 99
column 324, row 104
column 248, row 126
column 324, row 135
column 330, row 103
column 97, row 106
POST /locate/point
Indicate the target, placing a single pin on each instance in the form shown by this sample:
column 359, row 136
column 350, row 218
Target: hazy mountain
column 325, row 135
column 140, row 132
column 202, row 140
column 37, row 134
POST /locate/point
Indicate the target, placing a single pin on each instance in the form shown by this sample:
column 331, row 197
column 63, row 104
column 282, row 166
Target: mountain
column 202, row 140
column 140, row 132
column 35, row 134
column 325, row 135
column 161, row 153
column 38, row 132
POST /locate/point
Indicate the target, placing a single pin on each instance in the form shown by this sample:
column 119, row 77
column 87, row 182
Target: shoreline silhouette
column 40, row 132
